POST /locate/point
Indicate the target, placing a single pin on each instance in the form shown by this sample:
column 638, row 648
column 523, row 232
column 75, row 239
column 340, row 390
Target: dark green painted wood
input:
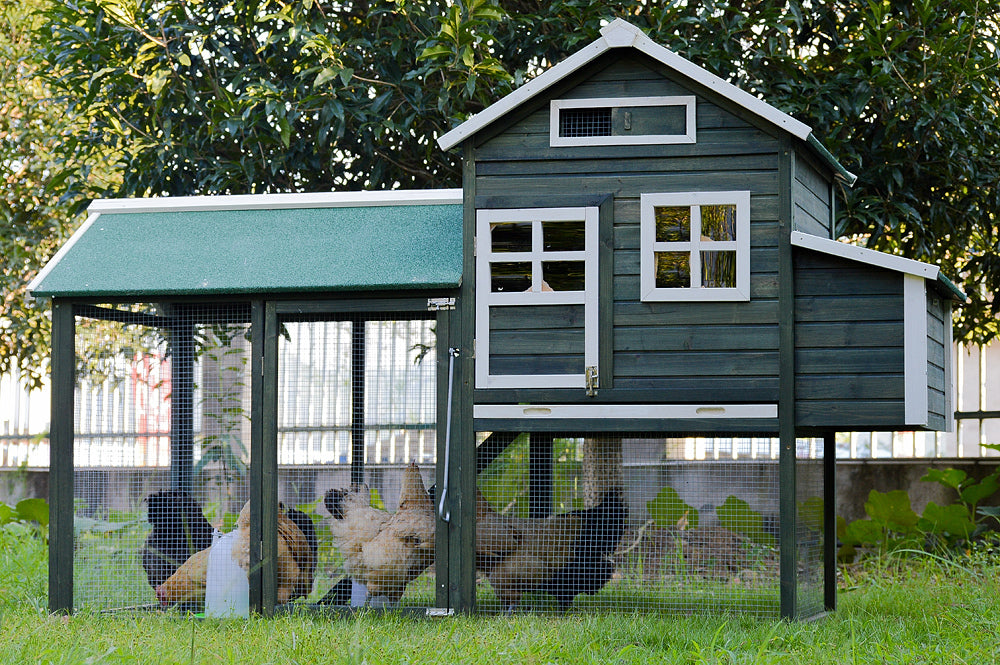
column 536, row 342
column 763, row 223
column 519, row 317
column 848, row 361
column 443, row 342
column 868, row 334
column 762, row 285
column 851, row 414
column 605, row 291
column 844, row 387
column 61, row 486
column 358, row 358
column 625, row 165
column 263, row 487
column 810, row 180
column 830, row 521
column 685, row 427
column 834, row 309
column 762, row 259
column 696, row 338
column 362, row 303
column 462, row 473
column 181, row 403
column 536, row 365
column 761, row 181
column 665, row 390
column 788, row 544
column 733, row 363
column 648, row 313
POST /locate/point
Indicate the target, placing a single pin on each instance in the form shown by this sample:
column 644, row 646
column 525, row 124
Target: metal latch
column 590, row 374
column 437, row 304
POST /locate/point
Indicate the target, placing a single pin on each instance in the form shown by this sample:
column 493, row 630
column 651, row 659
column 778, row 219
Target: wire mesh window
column 582, row 122
column 620, row 523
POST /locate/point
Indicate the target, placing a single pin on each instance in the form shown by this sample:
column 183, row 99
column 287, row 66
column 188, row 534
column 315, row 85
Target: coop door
column 536, row 297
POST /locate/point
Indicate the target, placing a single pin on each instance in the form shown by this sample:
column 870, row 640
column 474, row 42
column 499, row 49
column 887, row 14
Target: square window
column 695, row 246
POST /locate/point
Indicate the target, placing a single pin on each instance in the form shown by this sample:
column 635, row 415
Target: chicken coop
column 210, row 352
column 605, row 375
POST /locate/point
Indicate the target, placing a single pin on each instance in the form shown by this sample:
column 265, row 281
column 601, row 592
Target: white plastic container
column 227, row 590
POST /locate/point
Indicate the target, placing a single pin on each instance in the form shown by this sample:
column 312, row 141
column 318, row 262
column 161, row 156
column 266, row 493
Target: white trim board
column 556, row 107
column 864, row 255
column 914, row 350
column 278, row 201
column 635, row 411
column 622, row 34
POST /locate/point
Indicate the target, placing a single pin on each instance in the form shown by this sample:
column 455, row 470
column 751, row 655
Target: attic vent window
column 695, row 246
column 621, row 121
column 585, row 122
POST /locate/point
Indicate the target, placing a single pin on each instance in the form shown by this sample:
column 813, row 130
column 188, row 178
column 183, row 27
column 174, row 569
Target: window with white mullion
column 528, row 260
column 695, row 246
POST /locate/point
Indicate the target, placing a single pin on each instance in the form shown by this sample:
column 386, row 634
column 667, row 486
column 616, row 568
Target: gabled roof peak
column 620, row 34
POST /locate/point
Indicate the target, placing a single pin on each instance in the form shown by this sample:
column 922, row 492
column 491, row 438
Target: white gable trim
column 915, row 350
column 622, row 34
column 864, row 255
column 394, row 197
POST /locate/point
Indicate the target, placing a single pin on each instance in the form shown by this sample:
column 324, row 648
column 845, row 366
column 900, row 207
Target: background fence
column 133, row 405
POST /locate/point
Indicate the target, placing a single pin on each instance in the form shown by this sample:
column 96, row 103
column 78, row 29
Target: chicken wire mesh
column 625, row 523
column 357, row 407
column 161, row 448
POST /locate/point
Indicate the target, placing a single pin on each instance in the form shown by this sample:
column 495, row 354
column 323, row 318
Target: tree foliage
column 239, row 96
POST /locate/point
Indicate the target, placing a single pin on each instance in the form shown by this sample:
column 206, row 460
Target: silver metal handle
column 443, row 511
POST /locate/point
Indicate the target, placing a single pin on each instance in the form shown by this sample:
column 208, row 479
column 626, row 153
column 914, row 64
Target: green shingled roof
column 291, row 250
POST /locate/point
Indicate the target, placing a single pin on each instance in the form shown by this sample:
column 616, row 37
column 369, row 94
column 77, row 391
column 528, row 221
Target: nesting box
column 642, row 258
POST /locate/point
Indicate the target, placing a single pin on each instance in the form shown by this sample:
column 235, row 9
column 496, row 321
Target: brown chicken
column 384, row 551
column 296, row 561
column 563, row 555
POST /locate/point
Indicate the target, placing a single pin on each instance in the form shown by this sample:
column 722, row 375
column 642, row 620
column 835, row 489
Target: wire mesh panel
column 809, row 502
column 161, row 450
column 618, row 523
column 357, row 446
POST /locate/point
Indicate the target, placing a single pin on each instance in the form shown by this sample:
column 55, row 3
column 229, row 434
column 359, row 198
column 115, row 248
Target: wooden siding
column 811, row 200
column 665, row 352
column 938, row 350
column 537, row 339
column 848, row 344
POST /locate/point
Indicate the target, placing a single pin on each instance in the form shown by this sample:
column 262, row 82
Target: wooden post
column 61, row 536
column 830, row 521
column 263, row 457
column 181, row 404
column 788, row 545
column 358, row 358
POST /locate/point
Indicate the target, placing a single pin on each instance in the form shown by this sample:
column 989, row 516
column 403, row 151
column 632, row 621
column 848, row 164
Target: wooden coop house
column 642, row 257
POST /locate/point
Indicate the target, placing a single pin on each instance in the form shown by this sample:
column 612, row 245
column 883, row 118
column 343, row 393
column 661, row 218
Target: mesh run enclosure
column 162, row 427
column 624, row 523
column 357, row 406
column 161, row 446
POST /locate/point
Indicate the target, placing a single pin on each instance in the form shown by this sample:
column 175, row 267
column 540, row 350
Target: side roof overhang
column 279, row 243
column 928, row 271
column 620, row 34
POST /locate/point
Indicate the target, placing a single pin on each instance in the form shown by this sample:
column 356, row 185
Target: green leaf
column 34, row 510
column 953, row 519
column 7, row 514
column 891, row 510
column 865, row 532
column 737, row 516
column 952, row 478
column 668, row 509
column 985, row 488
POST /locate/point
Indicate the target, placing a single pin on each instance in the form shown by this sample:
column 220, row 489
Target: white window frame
column 687, row 101
column 648, row 246
column 486, row 298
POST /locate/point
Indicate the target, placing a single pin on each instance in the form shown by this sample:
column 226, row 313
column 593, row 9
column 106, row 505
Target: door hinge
column 438, row 304
column 590, row 375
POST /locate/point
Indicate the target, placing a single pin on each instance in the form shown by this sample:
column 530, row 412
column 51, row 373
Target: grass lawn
column 920, row 611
